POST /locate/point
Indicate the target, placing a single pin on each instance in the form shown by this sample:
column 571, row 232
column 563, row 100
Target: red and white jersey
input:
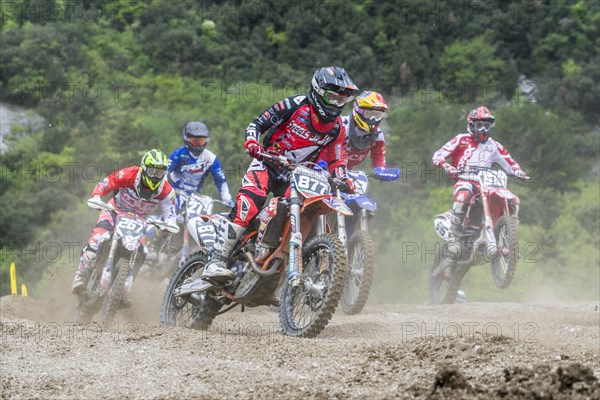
column 465, row 151
column 376, row 148
column 126, row 198
column 291, row 132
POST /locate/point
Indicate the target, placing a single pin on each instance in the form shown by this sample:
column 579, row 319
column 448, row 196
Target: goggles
column 376, row 115
column 156, row 173
column 336, row 99
column 483, row 126
column 197, row 141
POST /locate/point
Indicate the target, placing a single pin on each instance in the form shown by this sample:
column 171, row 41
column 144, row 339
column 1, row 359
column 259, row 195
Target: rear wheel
column 444, row 284
column 504, row 264
column 360, row 273
column 306, row 308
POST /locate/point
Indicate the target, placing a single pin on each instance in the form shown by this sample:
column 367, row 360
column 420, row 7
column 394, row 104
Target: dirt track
column 474, row 350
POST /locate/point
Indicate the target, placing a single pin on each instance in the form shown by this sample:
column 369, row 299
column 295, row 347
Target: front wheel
column 505, row 263
column 307, row 307
column 116, row 291
column 187, row 311
column 90, row 303
column 360, row 273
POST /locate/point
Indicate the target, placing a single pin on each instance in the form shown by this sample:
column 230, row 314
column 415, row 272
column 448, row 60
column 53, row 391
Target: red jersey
column 124, row 182
column 291, row 133
column 465, row 151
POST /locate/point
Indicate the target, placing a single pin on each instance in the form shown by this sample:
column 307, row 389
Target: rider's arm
column 447, row 150
column 111, row 183
column 274, row 116
column 336, row 156
column 378, row 151
column 174, row 166
column 504, row 160
column 220, row 180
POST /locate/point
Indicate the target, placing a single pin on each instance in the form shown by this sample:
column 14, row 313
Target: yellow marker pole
column 13, row 279
column 23, row 290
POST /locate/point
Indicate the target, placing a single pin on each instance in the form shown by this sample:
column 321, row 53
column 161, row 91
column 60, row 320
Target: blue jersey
column 188, row 173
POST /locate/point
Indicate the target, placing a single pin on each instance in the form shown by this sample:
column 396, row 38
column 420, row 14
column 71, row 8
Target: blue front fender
column 362, row 202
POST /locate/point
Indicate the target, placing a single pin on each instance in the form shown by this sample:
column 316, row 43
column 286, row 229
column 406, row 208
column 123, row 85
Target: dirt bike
column 489, row 234
column 281, row 242
column 117, row 264
column 173, row 249
column 360, row 247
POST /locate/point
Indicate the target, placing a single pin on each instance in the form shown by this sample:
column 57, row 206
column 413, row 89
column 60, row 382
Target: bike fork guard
column 108, row 266
column 295, row 260
column 185, row 250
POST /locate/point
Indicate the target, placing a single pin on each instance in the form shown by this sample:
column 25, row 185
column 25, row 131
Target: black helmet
column 331, row 89
column 195, row 137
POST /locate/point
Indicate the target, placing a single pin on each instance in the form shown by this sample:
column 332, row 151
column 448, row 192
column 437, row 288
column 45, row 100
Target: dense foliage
column 113, row 78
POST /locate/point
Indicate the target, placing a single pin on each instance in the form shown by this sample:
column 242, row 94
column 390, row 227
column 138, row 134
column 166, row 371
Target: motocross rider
column 139, row 189
column 474, row 148
column 363, row 131
column 302, row 127
column 190, row 164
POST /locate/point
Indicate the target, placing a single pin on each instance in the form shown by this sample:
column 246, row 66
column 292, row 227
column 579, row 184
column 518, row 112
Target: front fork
column 363, row 220
column 492, row 248
column 108, row 265
column 108, row 270
column 295, row 256
column 185, row 250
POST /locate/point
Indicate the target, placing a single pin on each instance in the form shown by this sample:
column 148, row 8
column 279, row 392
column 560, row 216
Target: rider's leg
column 462, row 196
column 87, row 261
column 250, row 199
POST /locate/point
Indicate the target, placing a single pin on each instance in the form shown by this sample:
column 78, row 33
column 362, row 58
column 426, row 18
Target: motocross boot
column 454, row 246
column 84, row 271
column 227, row 236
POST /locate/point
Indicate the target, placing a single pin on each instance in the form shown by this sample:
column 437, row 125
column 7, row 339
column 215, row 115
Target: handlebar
column 157, row 222
column 102, row 206
column 475, row 169
column 279, row 159
column 340, row 184
column 187, row 194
